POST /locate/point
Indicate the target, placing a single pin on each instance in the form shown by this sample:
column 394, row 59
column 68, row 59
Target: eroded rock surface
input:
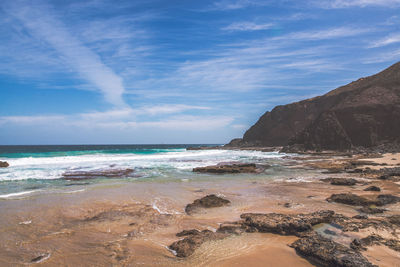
column 372, row 188
column 210, row 201
column 285, row 224
column 228, row 168
column 326, row 252
column 356, row 200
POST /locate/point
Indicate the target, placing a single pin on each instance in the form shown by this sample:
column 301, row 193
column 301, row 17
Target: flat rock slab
column 210, row 201
column 228, row 168
column 372, row 188
column 340, row 181
column 285, row 224
column 325, row 252
column 356, row 200
column 111, row 173
column 4, row 164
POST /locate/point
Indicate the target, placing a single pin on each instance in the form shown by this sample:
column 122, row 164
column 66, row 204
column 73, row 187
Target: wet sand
column 131, row 224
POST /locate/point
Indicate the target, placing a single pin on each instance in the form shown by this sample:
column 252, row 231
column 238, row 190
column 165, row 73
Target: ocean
column 39, row 169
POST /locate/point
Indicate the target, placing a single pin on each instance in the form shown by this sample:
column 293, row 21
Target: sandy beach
column 132, row 224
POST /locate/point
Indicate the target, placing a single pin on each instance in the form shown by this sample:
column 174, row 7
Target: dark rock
column 360, row 217
column 4, row 164
column 350, row 199
column 386, row 199
column 340, row 181
column 372, row 188
column 210, row 201
column 235, row 228
column 329, row 232
column 285, row 224
column 112, row 173
column 325, row 252
column 229, row 168
column 371, row 210
column 361, row 244
column 394, row 219
column 188, row 232
column 287, row 205
column 189, row 244
column 40, row 258
column 360, row 114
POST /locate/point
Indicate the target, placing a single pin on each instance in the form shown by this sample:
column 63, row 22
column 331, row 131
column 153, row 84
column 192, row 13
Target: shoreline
column 133, row 223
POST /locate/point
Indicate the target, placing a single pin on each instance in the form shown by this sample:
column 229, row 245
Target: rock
column 210, row 201
column 229, row 168
column 41, row 258
column 4, row 164
column 372, row 188
column 355, row 200
column 386, row 199
column 188, row 232
column 371, row 210
column 285, row 224
column 361, row 244
column 340, row 181
column 325, row 252
column 394, row 219
column 349, row 199
column 360, row 114
column 186, row 246
column 360, row 217
column 112, row 173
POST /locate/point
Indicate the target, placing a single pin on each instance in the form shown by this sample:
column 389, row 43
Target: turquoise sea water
column 40, row 169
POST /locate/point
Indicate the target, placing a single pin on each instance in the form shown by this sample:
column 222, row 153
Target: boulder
column 228, row 168
column 4, row 164
column 325, row 252
column 187, row 246
column 210, row 201
column 372, row 188
column 350, row 199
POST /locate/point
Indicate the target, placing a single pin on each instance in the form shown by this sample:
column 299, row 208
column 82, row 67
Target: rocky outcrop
column 364, row 113
column 372, row 188
column 4, row 164
column 325, row 252
column 285, row 224
column 363, row 243
column 112, row 173
column 210, row 201
column 228, row 168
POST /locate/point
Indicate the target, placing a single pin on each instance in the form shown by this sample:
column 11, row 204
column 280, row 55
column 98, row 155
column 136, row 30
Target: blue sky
column 152, row 71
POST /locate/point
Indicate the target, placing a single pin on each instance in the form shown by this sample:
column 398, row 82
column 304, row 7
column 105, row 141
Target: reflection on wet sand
column 134, row 223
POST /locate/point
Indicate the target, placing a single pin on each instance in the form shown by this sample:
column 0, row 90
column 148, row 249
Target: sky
column 173, row 72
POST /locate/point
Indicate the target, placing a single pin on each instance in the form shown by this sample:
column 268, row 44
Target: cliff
column 364, row 113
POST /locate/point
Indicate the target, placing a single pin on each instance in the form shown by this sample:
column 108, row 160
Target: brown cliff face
column 364, row 113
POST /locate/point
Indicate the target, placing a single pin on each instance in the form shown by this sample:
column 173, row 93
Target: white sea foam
column 152, row 164
column 11, row 195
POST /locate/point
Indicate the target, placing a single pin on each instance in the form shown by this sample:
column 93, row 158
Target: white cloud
column 356, row 3
column 331, row 33
column 233, row 4
column 43, row 24
column 247, row 26
column 391, row 39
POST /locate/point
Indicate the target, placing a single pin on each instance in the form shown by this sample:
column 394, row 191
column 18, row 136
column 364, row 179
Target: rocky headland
column 363, row 115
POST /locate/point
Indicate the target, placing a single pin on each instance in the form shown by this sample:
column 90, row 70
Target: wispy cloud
column 356, row 3
column 247, row 26
column 331, row 33
column 44, row 25
column 391, row 39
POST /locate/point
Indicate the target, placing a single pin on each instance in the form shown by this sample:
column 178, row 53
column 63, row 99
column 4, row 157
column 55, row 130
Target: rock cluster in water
column 111, row 173
column 228, row 168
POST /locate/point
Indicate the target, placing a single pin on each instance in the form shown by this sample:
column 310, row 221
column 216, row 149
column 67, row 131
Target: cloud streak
column 43, row 24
